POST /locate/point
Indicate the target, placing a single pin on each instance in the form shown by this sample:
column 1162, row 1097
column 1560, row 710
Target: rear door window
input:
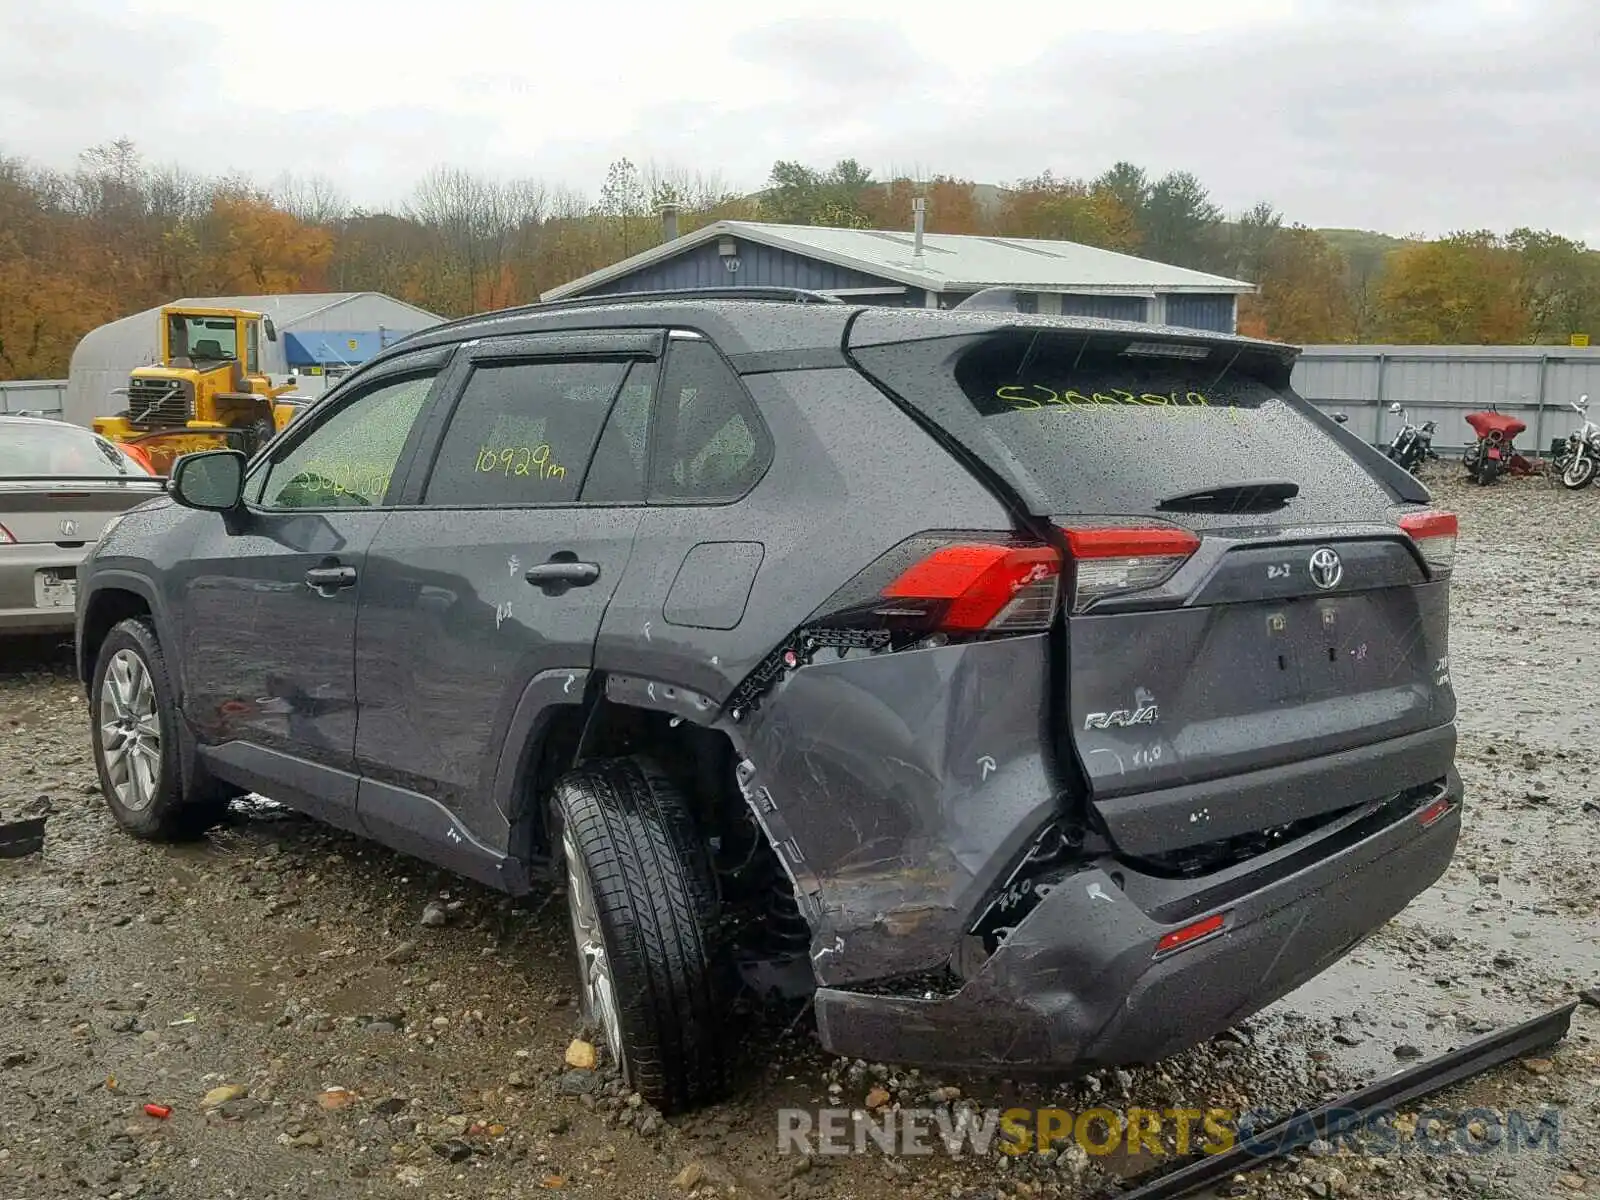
column 523, row 432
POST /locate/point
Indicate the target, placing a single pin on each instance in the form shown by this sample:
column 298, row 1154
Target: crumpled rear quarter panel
column 907, row 782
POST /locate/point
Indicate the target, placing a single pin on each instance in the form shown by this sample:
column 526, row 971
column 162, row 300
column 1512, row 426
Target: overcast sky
column 1408, row 116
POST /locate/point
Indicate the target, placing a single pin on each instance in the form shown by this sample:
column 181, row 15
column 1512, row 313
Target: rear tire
column 134, row 729
column 643, row 900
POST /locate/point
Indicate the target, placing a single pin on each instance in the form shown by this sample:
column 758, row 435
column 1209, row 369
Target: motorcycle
column 1580, row 457
column 1493, row 454
column 1412, row 445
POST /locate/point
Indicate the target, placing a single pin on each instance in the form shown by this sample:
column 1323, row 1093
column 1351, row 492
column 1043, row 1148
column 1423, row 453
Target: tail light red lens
column 983, row 587
column 1434, row 532
column 951, row 584
column 1111, row 560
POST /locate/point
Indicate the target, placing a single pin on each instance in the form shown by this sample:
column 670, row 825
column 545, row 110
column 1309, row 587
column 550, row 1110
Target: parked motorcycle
column 1580, row 457
column 1412, row 445
column 1493, row 454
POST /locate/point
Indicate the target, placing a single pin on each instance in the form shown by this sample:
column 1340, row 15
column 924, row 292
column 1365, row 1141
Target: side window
column 617, row 474
column 347, row 461
column 522, row 433
column 711, row 445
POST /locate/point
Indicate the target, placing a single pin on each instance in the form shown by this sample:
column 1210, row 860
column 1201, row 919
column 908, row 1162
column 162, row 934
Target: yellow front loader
column 209, row 389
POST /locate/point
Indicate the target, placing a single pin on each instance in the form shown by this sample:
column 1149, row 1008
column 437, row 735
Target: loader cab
column 210, row 388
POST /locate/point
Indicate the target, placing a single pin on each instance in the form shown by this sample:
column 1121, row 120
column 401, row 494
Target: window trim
column 623, row 345
column 355, row 388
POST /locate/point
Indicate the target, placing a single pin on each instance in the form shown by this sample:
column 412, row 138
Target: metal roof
column 949, row 262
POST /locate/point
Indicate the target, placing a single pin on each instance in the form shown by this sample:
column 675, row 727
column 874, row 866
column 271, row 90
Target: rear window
column 1113, row 426
column 27, row 449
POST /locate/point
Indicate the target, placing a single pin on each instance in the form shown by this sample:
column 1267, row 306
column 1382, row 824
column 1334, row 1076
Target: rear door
column 485, row 591
column 1240, row 594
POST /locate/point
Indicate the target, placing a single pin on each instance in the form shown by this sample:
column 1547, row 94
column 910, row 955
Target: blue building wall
column 759, row 266
column 323, row 346
column 1110, row 308
column 1214, row 313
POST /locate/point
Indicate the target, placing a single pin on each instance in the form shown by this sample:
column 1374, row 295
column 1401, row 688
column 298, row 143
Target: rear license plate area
column 1318, row 648
column 56, row 588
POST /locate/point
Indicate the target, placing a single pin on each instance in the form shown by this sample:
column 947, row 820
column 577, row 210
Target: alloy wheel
column 130, row 731
column 594, row 963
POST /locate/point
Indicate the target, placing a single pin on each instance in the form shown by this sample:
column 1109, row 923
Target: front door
column 267, row 600
column 484, row 593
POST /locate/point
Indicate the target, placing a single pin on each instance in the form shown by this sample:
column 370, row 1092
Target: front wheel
column 1579, row 471
column 133, row 728
column 642, row 896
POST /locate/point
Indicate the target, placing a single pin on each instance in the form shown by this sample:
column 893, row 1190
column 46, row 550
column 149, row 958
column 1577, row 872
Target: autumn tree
column 1464, row 288
column 800, row 195
column 1301, row 292
column 1559, row 284
column 1068, row 210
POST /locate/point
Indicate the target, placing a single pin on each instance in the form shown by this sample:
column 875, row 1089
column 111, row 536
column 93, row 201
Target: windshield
column 29, row 451
column 202, row 339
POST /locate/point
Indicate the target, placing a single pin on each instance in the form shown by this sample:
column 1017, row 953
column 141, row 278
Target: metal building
column 1444, row 383
column 933, row 270
column 315, row 329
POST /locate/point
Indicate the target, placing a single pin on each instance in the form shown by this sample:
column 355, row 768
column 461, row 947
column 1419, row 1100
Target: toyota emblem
column 1326, row 569
column 69, row 528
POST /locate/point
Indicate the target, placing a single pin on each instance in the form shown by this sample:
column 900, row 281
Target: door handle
column 328, row 579
column 557, row 572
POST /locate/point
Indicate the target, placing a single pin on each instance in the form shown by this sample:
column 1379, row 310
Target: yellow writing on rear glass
column 1023, row 397
column 535, row 462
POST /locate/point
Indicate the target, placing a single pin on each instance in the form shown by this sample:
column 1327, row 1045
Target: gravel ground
column 326, row 1018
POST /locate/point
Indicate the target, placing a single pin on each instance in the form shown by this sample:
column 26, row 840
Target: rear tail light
column 1112, row 560
column 951, row 584
column 1434, row 532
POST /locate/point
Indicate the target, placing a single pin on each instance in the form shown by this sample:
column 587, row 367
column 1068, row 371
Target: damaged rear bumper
column 1079, row 984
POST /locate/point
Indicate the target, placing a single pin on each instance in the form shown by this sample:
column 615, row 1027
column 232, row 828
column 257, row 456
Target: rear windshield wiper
column 1244, row 496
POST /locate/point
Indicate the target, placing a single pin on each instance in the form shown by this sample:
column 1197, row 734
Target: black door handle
column 324, row 579
column 557, row 571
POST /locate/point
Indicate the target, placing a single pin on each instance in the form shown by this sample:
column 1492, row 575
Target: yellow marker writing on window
column 531, row 461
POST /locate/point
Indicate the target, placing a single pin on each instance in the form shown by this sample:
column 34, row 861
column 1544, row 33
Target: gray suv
column 1032, row 693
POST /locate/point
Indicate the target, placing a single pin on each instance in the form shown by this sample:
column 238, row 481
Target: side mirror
column 269, row 328
column 211, row 480
column 1395, row 408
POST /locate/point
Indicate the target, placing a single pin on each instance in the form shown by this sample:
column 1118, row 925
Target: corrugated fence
column 32, row 395
column 1537, row 384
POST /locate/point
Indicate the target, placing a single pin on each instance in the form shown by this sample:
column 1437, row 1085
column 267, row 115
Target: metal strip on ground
column 1399, row 1088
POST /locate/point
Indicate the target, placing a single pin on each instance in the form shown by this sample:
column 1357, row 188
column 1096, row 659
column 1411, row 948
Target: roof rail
column 793, row 295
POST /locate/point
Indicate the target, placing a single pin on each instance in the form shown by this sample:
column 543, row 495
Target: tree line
column 117, row 234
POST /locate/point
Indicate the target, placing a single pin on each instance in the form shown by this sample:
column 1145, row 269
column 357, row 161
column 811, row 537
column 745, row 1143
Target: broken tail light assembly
column 1434, row 533
column 936, row 588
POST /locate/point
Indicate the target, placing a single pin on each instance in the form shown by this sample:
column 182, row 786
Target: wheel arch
column 116, row 597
